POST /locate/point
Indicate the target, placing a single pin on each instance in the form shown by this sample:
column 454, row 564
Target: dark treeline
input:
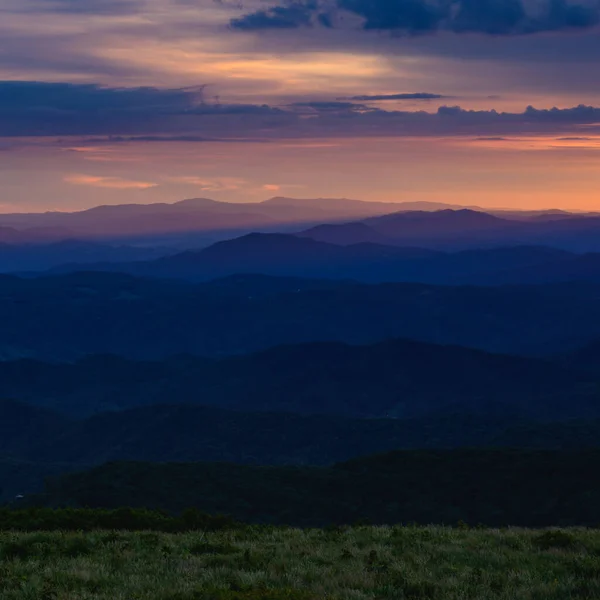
column 120, row 519
column 489, row 487
column 394, row 378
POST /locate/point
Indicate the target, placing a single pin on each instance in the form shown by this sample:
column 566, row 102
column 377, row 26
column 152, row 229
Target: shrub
column 554, row 539
column 121, row 519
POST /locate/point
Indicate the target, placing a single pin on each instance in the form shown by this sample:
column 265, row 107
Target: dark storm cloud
column 92, row 7
column 578, row 114
column 38, row 109
column 290, row 16
column 151, row 114
column 446, row 121
column 412, row 17
column 24, row 96
column 194, row 139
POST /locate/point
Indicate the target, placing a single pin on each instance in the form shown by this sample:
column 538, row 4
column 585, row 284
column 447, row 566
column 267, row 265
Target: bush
column 121, row 519
column 554, row 539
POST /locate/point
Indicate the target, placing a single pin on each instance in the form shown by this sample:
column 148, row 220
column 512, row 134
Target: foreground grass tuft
column 265, row 563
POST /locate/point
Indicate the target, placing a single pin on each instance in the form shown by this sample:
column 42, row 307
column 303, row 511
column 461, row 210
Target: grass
column 262, row 563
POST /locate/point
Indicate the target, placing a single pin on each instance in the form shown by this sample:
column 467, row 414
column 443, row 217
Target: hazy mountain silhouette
column 442, row 222
column 553, row 214
column 41, row 257
column 278, row 254
column 275, row 254
column 462, row 229
column 198, row 221
column 131, row 221
column 196, row 214
column 556, row 268
column 443, row 228
column 345, row 206
column 345, row 234
column 298, row 256
column 34, row 235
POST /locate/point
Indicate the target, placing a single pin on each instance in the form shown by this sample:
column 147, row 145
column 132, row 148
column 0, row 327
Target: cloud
column 414, row 17
column 414, row 96
column 39, row 108
column 94, row 114
column 192, row 139
column 580, row 114
column 496, row 138
column 290, row 16
column 114, row 183
column 67, row 97
column 229, row 184
column 277, row 187
column 219, row 184
column 331, row 106
column 94, row 7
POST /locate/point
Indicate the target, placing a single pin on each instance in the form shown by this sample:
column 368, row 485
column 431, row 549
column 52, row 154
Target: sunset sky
column 487, row 102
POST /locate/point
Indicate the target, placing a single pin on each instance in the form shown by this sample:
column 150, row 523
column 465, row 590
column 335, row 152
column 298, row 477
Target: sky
column 493, row 103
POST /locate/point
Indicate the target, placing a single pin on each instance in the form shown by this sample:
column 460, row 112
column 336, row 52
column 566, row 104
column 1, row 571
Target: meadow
column 269, row 563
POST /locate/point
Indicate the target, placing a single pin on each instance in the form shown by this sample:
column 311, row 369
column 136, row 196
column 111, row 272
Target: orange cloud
column 116, row 183
column 219, row 184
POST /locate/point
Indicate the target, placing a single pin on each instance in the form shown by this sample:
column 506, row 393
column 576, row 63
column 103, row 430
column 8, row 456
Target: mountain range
column 496, row 488
column 180, row 432
column 200, row 221
column 452, row 229
column 32, row 257
column 177, row 432
column 385, row 380
column 69, row 316
column 130, row 221
column 297, row 332
column 297, row 256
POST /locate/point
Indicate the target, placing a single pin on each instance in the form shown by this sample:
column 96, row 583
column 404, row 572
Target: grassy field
column 289, row 564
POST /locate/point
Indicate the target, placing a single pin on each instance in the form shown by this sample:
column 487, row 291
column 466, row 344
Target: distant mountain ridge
column 195, row 214
column 497, row 488
column 180, row 432
column 387, row 379
column 196, row 218
column 307, row 256
column 43, row 256
column 465, row 229
column 68, row 316
column 32, row 235
column 183, row 432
